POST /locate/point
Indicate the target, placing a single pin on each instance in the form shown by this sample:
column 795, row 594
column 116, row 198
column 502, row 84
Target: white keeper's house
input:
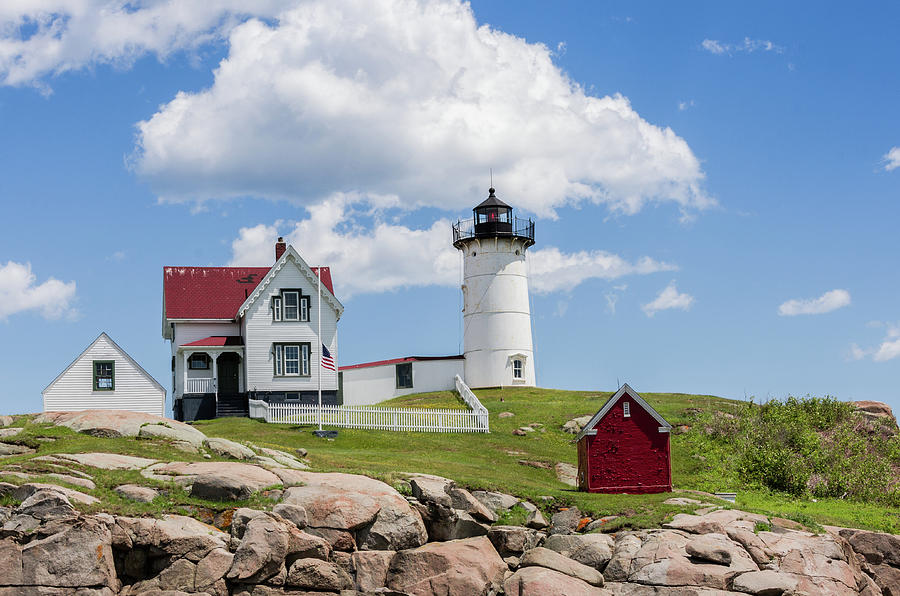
column 498, row 350
column 250, row 332
column 104, row 377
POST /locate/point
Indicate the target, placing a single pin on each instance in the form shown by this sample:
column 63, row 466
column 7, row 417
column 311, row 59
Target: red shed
column 625, row 448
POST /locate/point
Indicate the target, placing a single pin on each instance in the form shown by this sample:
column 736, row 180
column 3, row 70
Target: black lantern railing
column 518, row 227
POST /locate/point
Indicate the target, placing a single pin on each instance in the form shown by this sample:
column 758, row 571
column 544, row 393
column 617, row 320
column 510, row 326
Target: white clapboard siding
column 135, row 389
column 260, row 332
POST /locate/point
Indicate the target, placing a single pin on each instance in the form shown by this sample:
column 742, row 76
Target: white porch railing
column 378, row 418
column 257, row 409
column 200, row 386
column 467, row 396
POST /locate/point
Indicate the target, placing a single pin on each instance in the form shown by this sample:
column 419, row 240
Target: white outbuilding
column 374, row 382
column 105, row 377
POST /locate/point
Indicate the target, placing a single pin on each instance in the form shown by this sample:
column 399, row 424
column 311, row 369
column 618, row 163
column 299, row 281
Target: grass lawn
column 476, row 461
column 491, row 461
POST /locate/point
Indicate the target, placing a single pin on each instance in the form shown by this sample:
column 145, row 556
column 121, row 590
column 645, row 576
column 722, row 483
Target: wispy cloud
column 888, row 349
column 825, row 303
column 748, row 46
column 669, row 298
column 612, row 297
column 684, row 105
column 20, row 292
column 891, row 159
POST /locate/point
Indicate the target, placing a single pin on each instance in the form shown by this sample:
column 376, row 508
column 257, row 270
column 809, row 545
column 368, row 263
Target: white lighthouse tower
column 497, row 318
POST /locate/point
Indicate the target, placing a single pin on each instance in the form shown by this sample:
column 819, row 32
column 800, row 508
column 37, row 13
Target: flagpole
column 321, row 343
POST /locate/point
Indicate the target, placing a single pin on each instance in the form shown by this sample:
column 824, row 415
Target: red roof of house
column 216, row 341
column 399, row 360
column 215, row 292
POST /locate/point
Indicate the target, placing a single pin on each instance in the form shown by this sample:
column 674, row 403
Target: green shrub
column 811, row 446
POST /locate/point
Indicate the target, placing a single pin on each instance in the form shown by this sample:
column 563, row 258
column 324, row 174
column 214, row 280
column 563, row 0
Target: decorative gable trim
column 124, row 354
column 291, row 254
column 625, row 389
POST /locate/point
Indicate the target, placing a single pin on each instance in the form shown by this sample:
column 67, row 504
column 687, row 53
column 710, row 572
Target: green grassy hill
column 702, row 459
column 795, row 460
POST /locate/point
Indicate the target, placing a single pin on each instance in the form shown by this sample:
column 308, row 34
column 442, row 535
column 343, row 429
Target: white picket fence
column 378, row 418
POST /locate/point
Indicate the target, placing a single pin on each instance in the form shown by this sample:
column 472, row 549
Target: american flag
column 327, row 360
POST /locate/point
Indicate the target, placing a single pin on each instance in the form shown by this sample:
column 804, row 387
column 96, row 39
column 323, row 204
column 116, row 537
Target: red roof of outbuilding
column 216, row 341
column 399, row 360
column 215, row 292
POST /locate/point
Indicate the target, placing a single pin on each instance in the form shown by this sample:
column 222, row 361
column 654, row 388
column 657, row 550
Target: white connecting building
column 498, row 350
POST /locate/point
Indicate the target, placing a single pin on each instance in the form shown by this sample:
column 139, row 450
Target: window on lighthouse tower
column 517, row 369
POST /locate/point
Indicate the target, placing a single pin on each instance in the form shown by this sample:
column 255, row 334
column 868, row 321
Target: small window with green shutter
column 104, row 375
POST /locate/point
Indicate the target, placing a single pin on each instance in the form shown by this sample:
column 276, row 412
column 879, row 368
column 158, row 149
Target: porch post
column 184, row 370
column 215, row 371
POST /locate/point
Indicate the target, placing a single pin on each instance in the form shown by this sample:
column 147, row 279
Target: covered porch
column 212, row 378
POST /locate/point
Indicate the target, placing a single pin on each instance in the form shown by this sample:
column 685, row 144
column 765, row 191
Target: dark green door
column 228, row 364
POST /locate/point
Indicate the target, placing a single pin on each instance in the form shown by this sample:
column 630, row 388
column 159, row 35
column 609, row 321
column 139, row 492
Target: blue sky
column 715, row 186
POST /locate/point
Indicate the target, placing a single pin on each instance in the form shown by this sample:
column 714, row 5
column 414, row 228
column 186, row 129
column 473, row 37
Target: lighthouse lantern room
column 496, row 312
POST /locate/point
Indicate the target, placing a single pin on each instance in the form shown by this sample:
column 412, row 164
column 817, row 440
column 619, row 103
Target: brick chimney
column 280, row 247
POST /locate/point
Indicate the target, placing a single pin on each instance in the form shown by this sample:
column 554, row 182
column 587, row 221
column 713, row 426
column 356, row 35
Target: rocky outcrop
column 133, row 492
column 227, row 448
column 539, row 581
column 328, row 533
column 111, row 423
column 575, row 425
column 875, row 410
column 469, row 566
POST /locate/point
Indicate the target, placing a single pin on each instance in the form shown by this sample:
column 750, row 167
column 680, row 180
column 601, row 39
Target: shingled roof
column 215, row 293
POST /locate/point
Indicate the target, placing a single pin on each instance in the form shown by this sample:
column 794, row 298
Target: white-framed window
column 276, row 308
column 626, row 409
column 198, row 362
column 292, row 360
column 518, row 369
column 291, row 305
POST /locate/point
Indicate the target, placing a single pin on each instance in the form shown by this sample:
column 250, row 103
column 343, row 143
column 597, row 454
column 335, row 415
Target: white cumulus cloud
column 888, row 350
column 407, row 98
column 386, row 256
column 668, row 298
column 552, row 270
column 20, row 292
column 825, row 303
column 48, row 37
column 892, row 159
